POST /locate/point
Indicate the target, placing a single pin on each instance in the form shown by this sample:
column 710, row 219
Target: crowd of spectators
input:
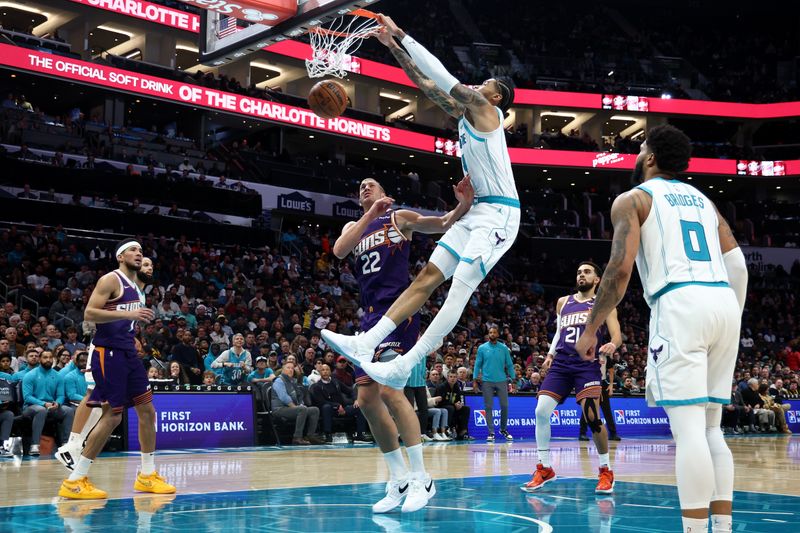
column 236, row 316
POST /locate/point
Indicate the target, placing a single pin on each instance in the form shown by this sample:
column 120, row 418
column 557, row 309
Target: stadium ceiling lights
column 23, row 7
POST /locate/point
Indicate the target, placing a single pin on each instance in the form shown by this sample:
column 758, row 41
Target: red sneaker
column 541, row 476
column 605, row 484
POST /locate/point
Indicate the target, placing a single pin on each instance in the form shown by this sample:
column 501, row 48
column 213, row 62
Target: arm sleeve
column 556, row 337
column 478, row 363
column 429, row 65
column 737, row 274
column 28, row 383
column 223, row 358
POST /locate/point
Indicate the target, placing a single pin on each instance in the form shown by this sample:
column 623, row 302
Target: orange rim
column 356, row 13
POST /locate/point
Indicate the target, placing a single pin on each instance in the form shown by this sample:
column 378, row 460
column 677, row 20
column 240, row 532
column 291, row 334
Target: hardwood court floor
column 331, row 489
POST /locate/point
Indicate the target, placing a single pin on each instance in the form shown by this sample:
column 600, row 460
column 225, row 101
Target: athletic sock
column 415, row 459
column 721, row 523
column 73, row 438
column 378, row 332
column 604, row 460
column 544, row 457
column 91, row 422
column 148, row 463
column 695, row 525
column 81, row 469
column 396, row 463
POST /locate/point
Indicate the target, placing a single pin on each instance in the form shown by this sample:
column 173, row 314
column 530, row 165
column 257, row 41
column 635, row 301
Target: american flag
column 227, row 27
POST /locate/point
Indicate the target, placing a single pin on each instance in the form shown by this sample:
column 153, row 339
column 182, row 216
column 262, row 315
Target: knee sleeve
column 721, row 456
column 591, row 416
column 694, row 468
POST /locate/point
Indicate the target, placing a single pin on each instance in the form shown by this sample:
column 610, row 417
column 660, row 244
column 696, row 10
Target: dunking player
column 379, row 241
column 688, row 261
column 476, row 242
column 120, row 380
column 565, row 370
column 86, row 418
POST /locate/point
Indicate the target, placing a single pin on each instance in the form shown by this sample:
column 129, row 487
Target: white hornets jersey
column 484, row 157
column 679, row 240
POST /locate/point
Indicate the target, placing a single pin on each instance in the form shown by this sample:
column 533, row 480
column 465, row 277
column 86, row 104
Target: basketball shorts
column 694, row 342
column 476, row 242
column 120, row 379
column 400, row 341
column 572, row 372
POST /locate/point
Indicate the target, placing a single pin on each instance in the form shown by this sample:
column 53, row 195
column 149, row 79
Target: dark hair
column 506, row 86
column 671, row 147
column 597, row 270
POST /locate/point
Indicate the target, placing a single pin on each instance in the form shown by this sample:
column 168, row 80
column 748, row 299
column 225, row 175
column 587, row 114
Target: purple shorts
column 399, row 341
column 120, row 379
column 568, row 372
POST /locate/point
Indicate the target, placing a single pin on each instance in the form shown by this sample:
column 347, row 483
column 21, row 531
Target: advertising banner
column 632, row 416
column 198, row 420
column 148, row 11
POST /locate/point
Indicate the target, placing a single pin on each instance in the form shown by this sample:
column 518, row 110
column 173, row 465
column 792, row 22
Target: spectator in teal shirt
column 43, row 394
column 494, row 367
column 261, row 374
column 75, row 381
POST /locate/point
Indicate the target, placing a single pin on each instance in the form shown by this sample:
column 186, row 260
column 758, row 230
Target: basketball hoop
column 331, row 46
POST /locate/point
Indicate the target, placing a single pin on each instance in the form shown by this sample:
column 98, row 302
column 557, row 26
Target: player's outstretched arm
column 446, row 102
column 482, row 112
column 409, row 221
column 101, row 295
column 624, row 247
column 352, row 231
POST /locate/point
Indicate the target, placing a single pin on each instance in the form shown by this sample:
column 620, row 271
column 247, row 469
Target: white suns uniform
column 695, row 317
column 490, row 227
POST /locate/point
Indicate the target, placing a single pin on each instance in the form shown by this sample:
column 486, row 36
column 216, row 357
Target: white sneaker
column 34, row 449
column 425, row 438
column 396, row 490
column 439, row 437
column 68, row 455
column 420, row 489
column 392, row 374
column 348, row 346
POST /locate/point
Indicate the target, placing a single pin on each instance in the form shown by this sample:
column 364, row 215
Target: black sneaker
column 614, row 437
column 363, row 438
column 490, row 437
column 584, row 437
column 506, row 434
column 328, row 438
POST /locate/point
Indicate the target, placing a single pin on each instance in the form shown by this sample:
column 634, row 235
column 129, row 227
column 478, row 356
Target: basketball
column 328, row 99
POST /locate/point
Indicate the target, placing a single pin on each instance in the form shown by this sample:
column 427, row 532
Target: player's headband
column 125, row 246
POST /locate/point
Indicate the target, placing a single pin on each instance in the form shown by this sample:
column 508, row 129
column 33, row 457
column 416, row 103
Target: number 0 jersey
column 381, row 264
column 679, row 240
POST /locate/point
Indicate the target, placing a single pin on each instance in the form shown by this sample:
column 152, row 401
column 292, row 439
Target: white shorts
column 694, row 342
column 476, row 242
column 88, row 374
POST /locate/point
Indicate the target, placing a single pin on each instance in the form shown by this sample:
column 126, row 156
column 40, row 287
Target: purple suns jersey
column 119, row 333
column 381, row 258
column 574, row 316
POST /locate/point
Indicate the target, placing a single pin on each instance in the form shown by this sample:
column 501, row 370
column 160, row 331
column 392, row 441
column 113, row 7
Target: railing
column 34, row 310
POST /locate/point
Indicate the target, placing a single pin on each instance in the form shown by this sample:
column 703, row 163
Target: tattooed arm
column 624, row 247
column 426, row 85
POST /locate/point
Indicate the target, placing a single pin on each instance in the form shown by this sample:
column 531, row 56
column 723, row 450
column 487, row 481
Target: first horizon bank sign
column 148, row 11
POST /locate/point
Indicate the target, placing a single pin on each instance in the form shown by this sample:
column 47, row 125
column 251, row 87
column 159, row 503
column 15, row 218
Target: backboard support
column 252, row 37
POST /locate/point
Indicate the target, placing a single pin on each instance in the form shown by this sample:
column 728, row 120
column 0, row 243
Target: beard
column 48, row 365
column 144, row 278
column 637, row 176
column 133, row 266
column 584, row 287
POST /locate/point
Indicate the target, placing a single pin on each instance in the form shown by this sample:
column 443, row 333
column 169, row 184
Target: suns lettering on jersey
column 575, row 319
column 386, row 236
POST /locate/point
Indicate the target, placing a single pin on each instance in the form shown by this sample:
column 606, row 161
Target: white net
column 332, row 46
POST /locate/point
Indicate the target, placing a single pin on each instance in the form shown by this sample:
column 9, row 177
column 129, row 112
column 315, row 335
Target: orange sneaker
column 152, row 483
column 605, row 484
column 541, row 476
column 81, row 489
